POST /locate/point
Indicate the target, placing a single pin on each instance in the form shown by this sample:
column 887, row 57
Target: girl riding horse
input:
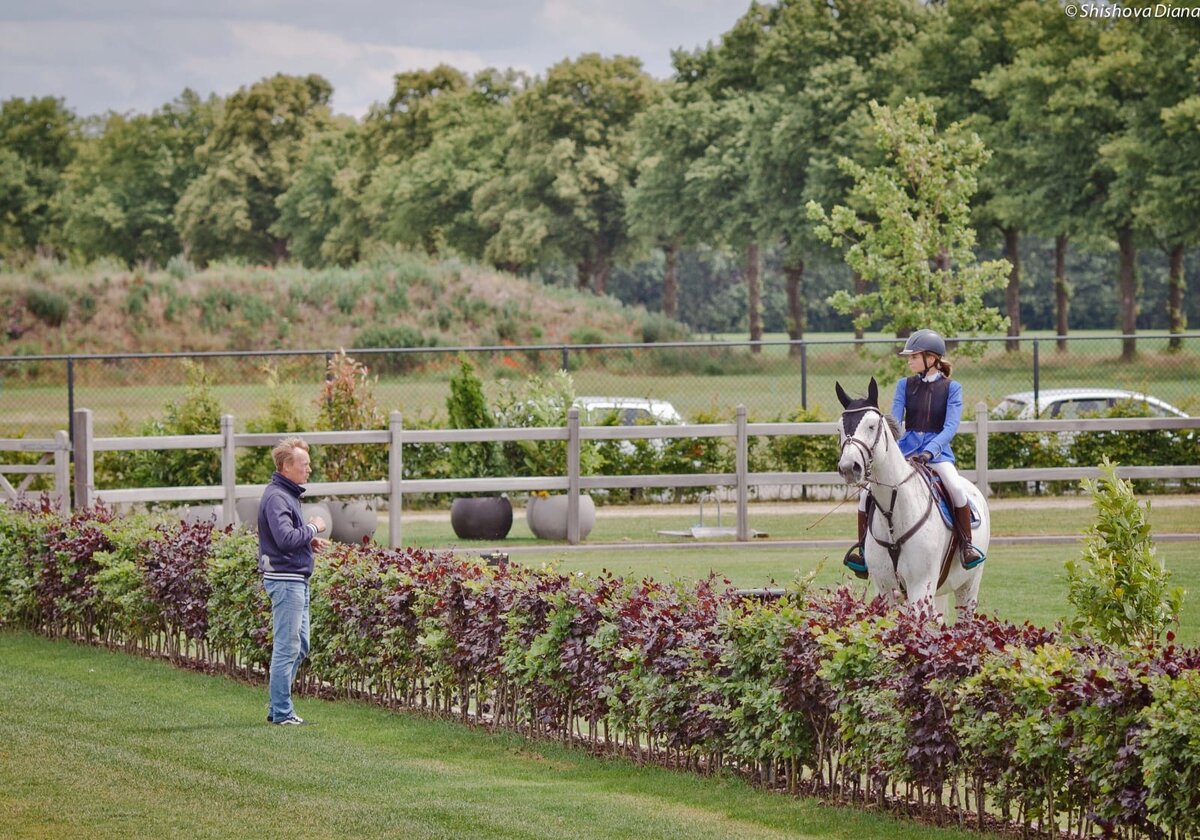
column 929, row 405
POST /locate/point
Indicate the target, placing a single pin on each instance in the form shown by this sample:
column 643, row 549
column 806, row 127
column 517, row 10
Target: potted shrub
column 543, row 403
column 347, row 402
column 475, row 516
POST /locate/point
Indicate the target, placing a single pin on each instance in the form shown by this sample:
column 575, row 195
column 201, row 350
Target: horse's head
column 860, row 430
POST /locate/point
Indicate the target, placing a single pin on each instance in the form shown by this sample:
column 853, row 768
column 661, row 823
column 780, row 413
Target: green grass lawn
column 95, row 744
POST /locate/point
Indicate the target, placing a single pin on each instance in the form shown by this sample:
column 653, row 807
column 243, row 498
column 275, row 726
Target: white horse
column 908, row 543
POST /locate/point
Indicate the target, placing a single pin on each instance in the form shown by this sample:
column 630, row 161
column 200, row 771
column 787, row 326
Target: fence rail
column 86, row 445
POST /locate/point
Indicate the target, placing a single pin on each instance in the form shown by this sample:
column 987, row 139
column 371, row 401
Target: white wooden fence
column 394, row 486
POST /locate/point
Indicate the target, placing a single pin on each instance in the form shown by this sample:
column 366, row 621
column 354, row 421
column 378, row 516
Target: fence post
column 85, row 474
column 1037, row 378
column 62, row 471
column 804, row 375
column 742, row 466
column 981, row 447
column 395, row 474
column 573, row 475
column 228, row 472
column 70, row 389
column 566, row 358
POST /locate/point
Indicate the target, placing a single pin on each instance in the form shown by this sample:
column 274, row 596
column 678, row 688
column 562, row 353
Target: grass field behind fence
column 697, row 381
column 101, row 745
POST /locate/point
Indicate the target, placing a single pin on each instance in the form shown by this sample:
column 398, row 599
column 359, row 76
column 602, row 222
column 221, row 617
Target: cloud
column 141, row 68
column 136, row 55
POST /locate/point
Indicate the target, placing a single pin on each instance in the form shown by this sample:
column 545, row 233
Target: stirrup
column 855, row 562
column 972, row 563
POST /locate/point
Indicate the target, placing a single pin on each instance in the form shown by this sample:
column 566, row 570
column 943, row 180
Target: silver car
column 1072, row 403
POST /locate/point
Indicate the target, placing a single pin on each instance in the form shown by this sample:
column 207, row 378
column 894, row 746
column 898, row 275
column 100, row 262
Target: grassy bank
column 95, row 744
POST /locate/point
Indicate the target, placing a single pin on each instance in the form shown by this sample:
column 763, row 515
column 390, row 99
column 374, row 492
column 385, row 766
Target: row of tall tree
column 1088, row 132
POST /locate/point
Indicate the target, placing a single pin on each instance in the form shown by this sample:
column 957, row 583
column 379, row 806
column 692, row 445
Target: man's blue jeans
column 289, row 619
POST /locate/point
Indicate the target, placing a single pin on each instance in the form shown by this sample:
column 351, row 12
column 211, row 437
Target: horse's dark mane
column 892, row 425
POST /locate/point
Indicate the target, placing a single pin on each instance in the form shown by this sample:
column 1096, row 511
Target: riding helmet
column 924, row 341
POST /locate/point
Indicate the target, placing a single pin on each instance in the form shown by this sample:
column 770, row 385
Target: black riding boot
column 854, row 559
column 971, row 556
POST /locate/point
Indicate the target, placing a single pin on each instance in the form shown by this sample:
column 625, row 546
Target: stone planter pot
column 247, row 512
column 195, row 514
column 354, row 522
column 308, row 511
column 547, row 516
column 484, row 518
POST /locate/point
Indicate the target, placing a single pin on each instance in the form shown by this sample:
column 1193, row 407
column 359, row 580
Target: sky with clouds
column 136, row 55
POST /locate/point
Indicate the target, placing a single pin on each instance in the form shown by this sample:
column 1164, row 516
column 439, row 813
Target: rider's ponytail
column 944, row 366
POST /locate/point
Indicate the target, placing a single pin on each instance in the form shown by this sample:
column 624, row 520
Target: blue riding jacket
column 936, row 443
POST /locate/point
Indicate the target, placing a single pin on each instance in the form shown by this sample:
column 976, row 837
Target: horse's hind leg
column 940, row 605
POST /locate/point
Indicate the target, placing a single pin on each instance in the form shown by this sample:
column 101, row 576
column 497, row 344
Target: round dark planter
column 485, row 518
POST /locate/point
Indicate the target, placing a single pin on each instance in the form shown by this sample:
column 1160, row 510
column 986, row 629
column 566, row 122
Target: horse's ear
column 842, row 396
column 873, row 393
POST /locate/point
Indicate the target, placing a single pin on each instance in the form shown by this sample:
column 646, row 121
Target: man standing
column 285, row 552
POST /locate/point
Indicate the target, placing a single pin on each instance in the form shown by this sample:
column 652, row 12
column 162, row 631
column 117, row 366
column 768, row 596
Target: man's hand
column 319, row 543
column 318, row 522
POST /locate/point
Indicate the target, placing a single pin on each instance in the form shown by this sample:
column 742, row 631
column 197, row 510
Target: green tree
column 914, row 241
column 249, row 161
column 1119, row 590
column 37, row 142
column 1047, row 150
column 120, row 192
column 670, row 136
column 560, row 195
column 321, row 214
column 1154, row 157
column 425, row 199
column 818, row 67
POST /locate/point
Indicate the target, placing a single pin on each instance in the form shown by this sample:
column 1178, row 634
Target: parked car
column 1063, row 448
column 630, row 411
column 1072, row 403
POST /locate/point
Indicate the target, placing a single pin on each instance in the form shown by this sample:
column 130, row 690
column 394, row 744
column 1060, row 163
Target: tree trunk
column 794, row 274
column 583, row 274
column 860, row 288
column 601, row 268
column 1012, row 293
column 754, row 286
column 1176, row 318
column 1062, row 290
column 1128, row 289
column 670, row 300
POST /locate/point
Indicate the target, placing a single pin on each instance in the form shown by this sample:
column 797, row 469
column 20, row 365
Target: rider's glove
column 925, row 457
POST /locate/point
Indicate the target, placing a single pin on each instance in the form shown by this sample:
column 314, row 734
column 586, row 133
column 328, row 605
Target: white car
column 630, row 411
column 1072, row 403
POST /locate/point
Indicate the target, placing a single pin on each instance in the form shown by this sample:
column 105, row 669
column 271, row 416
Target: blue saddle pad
column 944, row 503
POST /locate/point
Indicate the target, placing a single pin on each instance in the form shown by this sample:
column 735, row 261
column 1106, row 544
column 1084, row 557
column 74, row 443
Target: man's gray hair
column 285, row 450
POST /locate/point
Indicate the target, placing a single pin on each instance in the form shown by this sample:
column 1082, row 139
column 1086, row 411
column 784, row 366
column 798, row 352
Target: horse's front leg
column 923, row 600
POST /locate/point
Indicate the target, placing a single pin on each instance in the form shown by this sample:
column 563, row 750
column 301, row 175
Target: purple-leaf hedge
column 818, row 691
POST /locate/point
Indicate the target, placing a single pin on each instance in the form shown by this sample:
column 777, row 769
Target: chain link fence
column 705, row 381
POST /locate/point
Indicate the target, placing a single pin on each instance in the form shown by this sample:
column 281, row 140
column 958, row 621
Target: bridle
column 866, row 451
